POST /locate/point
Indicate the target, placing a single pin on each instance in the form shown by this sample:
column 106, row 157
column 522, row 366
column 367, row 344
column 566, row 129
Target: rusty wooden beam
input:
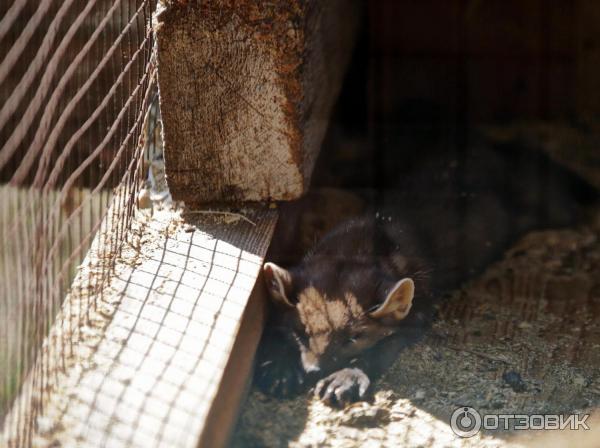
column 246, row 91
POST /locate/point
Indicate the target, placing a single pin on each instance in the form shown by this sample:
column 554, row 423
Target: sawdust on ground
column 523, row 338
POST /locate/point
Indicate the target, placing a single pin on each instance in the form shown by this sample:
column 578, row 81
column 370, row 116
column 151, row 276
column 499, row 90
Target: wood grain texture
column 157, row 353
column 236, row 375
column 246, row 91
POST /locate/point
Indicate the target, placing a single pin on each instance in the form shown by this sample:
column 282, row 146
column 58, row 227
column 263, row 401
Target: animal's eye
column 373, row 308
column 355, row 337
column 301, row 338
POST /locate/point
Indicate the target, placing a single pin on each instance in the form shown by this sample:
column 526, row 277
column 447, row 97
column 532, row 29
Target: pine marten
column 368, row 288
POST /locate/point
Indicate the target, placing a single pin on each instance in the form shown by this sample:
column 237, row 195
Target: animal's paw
column 280, row 379
column 343, row 387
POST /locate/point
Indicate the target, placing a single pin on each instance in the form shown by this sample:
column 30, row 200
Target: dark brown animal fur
column 368, row 287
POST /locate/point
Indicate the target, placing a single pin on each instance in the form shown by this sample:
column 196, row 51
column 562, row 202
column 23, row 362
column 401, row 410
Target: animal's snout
column 311, row 368
column 310, row 363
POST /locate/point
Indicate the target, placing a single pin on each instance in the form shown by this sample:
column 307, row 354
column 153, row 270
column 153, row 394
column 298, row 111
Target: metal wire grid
column 75, row 82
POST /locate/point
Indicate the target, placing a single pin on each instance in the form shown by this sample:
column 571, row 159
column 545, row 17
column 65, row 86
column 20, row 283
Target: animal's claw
column 343, row 387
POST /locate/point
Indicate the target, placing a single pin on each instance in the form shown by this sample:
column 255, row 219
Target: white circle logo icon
column 465, row 422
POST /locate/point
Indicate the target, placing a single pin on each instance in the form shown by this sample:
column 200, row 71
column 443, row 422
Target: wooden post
column 246, row 90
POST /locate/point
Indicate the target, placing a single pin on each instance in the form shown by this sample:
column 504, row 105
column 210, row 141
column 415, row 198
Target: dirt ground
column 523, row 338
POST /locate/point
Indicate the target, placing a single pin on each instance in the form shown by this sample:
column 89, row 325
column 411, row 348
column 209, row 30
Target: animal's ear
column 398, row 301
column 279, row 283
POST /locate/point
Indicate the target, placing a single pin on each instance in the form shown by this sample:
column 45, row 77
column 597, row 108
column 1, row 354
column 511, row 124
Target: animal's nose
column 311, row 368
column 310, row 363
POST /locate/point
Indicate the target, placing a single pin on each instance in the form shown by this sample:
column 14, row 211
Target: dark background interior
column 427, row 75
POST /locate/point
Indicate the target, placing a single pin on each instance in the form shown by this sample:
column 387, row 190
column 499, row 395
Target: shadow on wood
column 149, row 368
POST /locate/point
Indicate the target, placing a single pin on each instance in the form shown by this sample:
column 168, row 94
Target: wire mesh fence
column 76, row 81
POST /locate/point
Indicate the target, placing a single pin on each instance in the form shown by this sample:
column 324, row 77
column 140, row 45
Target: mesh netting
column 76, row 79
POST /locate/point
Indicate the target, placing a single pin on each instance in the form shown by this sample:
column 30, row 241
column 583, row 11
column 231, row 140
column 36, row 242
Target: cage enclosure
column 132, row 312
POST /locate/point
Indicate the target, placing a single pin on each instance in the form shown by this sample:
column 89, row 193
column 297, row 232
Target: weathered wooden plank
column 225, row 405
column 154, row 358
column 246, row 90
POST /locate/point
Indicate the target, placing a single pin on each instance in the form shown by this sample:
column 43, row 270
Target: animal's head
column 334, row 314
